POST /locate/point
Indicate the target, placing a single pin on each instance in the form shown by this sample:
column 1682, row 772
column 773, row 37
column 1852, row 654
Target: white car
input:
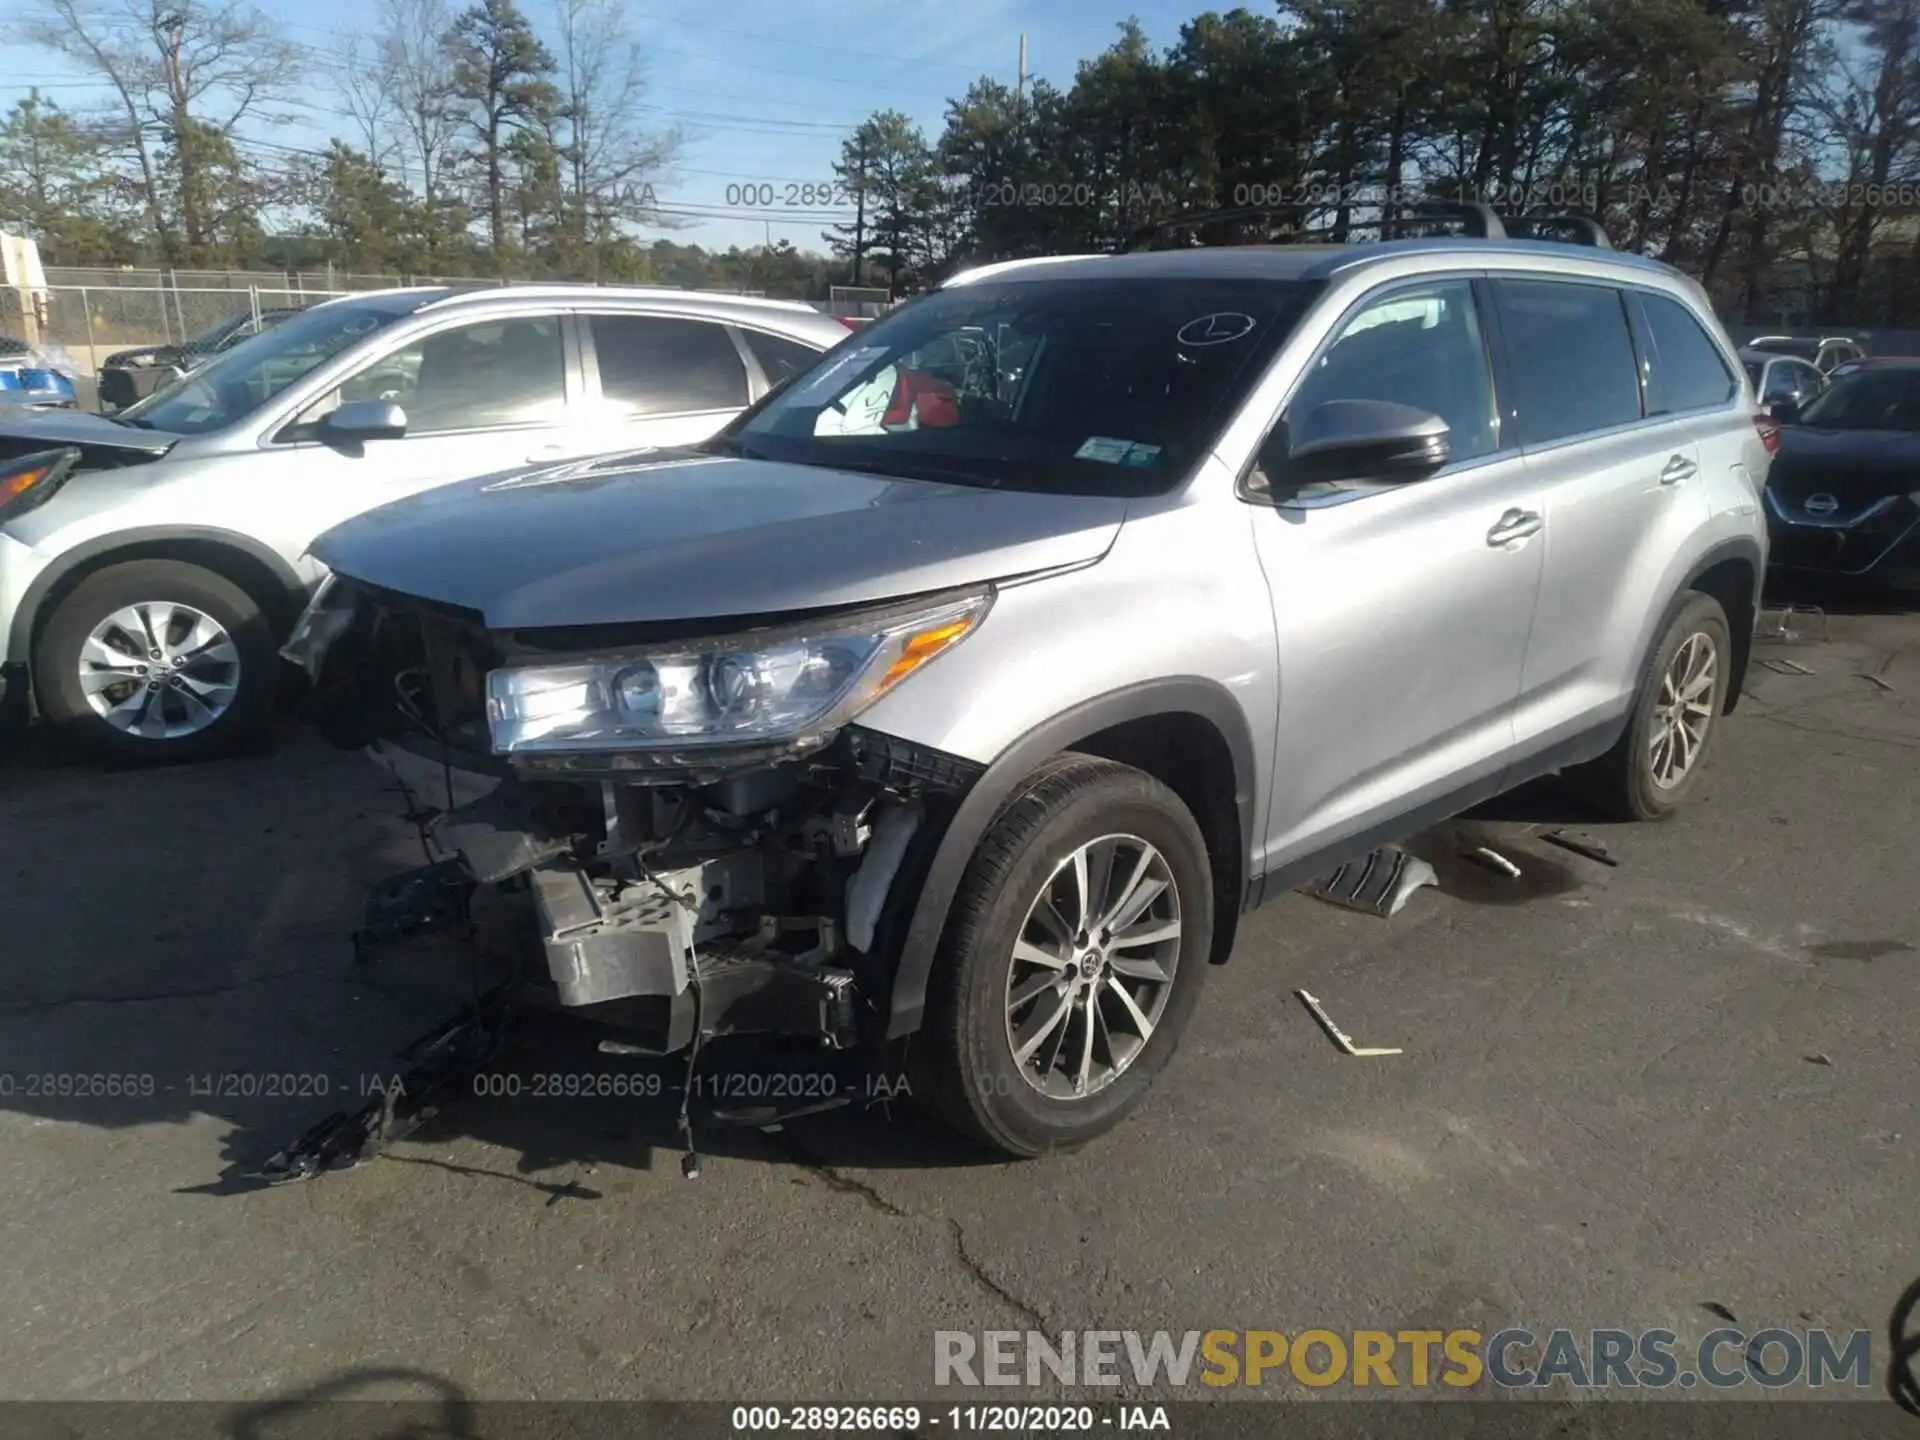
column 151, row 562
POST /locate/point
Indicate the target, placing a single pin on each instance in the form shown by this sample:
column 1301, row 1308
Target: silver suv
column 150, row 563
column 970, row 687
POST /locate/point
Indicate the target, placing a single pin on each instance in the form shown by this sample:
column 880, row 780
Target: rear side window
column 779, row 357
column 661, row 365
column 1571, row 356
column 1691, row 371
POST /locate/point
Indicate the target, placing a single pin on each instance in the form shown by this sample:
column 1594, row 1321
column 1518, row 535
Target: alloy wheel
column 1683, row 711
column 159, row 670
column 1093, row 967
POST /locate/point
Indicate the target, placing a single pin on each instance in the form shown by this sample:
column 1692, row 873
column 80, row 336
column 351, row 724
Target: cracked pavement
column 1626, row 1095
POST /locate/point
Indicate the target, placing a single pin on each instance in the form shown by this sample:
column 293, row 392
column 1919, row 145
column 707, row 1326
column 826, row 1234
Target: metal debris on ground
column 1872, row 679
column 1785, row 667
column 426, row 1072
column 1378, row 885
column 1792, row 624
column 1819, row 1059
column 1335, row 1033
column 1592, row 849
column 1493, row 860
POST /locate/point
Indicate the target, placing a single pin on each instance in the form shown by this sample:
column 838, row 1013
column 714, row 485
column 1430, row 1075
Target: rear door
column 656, row 379
column 1620, row 490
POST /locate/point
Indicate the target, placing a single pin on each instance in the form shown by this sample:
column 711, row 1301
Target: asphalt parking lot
column 1627, row 1095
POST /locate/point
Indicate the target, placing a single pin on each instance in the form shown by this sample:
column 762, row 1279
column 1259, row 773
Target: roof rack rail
column 1477, row 221
column 1566, row 229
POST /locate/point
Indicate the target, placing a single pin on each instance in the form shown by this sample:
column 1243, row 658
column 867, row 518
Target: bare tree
column 184, row 73
column 611, row 157
column 367, row 98
column 417, row 72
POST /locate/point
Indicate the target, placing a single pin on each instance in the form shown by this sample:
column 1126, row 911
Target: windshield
column 1869, row 400
column 241, row 380
column 1112, row 387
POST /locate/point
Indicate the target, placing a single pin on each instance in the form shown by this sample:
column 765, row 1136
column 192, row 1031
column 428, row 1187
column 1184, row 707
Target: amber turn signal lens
column 12, row 487
column 922, row 648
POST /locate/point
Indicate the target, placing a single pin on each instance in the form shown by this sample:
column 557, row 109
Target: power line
column 762, row 38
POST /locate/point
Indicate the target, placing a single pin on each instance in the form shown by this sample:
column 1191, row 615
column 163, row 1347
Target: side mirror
column 366, row 420
column 1360, row 440
column 1787, row 412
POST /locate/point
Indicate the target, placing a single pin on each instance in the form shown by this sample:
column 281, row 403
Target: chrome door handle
column 1677, row 469
column 1515, row 525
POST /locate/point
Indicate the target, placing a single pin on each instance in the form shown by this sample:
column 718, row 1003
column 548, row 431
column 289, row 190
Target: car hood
column 1850, row 464
column 683, row 536
column 23, row 431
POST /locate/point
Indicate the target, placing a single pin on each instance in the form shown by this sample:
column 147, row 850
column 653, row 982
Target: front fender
column 925, row 890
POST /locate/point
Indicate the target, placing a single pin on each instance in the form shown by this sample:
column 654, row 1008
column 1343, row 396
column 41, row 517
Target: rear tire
column 1656, row 764
column 156, row 661
column 1023, row 965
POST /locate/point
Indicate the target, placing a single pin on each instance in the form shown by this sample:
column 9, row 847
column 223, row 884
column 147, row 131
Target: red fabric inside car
column 931, row 399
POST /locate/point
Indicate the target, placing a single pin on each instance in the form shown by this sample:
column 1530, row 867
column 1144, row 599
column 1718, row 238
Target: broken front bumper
column 749, row 920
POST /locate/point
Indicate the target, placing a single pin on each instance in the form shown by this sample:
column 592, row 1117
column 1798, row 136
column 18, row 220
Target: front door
column 1402, row 611
column 479, row 396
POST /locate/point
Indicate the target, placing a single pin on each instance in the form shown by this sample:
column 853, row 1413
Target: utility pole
column 1020, row 86
column 860, row 212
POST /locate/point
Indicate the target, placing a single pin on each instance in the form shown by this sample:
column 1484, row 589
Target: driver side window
column 1420, row 347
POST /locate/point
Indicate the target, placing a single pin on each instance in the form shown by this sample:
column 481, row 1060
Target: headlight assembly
column 793, row 687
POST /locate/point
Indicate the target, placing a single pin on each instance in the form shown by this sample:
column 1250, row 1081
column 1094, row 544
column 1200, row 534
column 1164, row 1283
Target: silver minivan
column 151, row 561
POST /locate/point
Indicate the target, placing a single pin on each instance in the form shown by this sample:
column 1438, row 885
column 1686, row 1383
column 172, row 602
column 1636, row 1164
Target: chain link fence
column 101, row 320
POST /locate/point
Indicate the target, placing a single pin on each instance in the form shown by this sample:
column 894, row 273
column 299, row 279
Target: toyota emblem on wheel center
column 1822, row 504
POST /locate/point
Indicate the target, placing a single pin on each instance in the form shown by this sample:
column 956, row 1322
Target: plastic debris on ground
column 1792, row 624
column 1785, row 667
column 1336, row 1034
column 1378, row 885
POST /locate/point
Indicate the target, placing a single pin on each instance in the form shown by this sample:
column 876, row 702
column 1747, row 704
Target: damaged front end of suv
column 697, row 823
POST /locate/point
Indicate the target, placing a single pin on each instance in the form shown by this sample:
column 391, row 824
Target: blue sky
column 764, row 93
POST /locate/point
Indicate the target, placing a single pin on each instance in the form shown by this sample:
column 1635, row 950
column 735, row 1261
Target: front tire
column 156, row 660
column 1656, row 764
column 1072, row 960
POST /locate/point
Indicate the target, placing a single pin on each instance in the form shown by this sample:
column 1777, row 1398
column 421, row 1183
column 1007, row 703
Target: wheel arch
column 1188, row 732
column 267, row 578
column 1731, row 572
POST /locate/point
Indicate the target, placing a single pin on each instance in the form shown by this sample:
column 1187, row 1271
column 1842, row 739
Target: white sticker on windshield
column 1105, row 449
column 1141, row 455
column 837, row 370
column 1216, row 329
